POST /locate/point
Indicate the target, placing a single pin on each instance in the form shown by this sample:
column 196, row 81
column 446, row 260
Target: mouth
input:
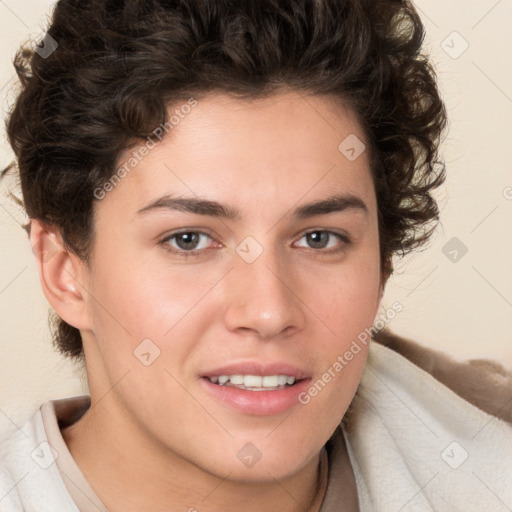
column 255, row 388
column 255, row 382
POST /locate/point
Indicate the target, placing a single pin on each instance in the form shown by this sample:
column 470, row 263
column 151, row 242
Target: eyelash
column 195, row 253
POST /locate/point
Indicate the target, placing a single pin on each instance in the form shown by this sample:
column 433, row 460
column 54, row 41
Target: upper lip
column 257, row 368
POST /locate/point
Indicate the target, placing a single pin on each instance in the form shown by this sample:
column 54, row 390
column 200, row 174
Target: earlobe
column 61, row 273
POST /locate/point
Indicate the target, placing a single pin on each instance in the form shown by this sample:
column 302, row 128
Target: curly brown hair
column 119, row 64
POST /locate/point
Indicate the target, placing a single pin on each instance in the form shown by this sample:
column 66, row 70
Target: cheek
column 144, row 308
column 347, row 307
column 144, row 299
column 334, row 386
column 347, row 298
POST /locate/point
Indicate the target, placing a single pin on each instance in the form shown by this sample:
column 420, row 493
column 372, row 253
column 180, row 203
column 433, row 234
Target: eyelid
column 340, row 232
column 171, row 235
column 343, row 236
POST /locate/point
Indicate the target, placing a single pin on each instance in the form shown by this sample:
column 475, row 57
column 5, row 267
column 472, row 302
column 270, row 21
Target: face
column 265, row 283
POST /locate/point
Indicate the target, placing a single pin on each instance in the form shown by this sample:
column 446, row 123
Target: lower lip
column 261, row 403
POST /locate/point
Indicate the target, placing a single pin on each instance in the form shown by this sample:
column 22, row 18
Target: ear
column 61, row 274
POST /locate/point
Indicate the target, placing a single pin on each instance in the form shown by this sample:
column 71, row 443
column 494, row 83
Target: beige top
column 412, row 444
column 60, row 413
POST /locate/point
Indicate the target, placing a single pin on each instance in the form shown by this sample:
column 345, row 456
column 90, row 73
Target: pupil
column 318, row 239
column 190, row 239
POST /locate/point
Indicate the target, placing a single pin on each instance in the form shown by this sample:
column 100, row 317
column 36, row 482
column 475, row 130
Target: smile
column 254, row 382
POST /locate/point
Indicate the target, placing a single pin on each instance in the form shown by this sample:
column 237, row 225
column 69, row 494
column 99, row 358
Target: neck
column 129, row 470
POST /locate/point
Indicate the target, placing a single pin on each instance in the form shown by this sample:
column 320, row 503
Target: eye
column 323, row 239
column 193, row 243
column 186, row 242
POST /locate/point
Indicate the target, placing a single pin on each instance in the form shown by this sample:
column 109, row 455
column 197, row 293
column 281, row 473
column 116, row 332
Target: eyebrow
column 332, row 204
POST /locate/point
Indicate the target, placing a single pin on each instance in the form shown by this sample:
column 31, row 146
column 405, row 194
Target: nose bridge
column 260, row 295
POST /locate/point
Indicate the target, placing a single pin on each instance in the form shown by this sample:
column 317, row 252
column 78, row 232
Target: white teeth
column 253, row 381
column 281, row 380
column 236, row 379
column 270, row 381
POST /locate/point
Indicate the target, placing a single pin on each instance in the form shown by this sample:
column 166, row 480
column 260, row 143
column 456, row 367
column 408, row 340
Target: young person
column 216, row 190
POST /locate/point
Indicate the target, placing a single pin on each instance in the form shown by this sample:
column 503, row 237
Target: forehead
column 272, row 149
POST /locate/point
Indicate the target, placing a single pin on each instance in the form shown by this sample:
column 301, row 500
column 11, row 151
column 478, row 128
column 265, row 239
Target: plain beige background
column 459, row 303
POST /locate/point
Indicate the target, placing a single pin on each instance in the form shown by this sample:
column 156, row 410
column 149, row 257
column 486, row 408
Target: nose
column 262, row 298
